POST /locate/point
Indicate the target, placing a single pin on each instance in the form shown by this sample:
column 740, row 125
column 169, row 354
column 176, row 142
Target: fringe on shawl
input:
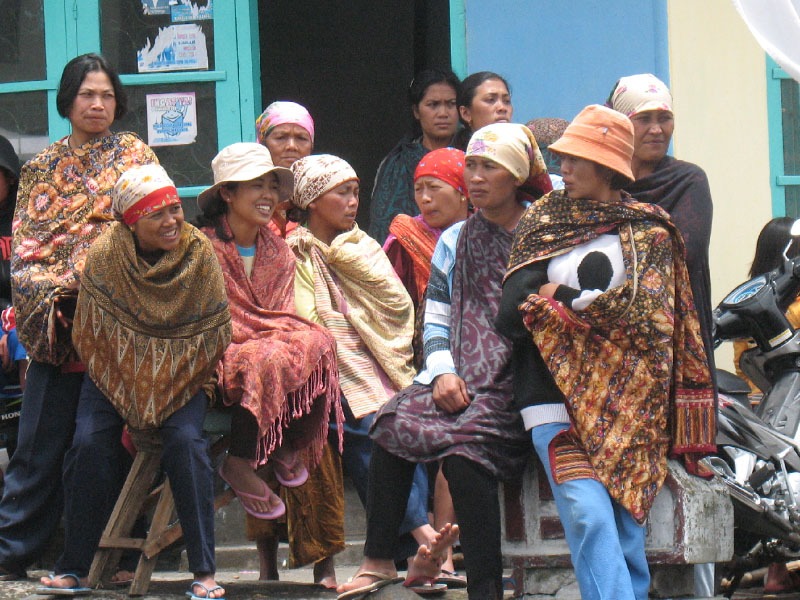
column 694, row 421
column 323, row 382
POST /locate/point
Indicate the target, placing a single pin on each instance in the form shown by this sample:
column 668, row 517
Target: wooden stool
column 136, row 497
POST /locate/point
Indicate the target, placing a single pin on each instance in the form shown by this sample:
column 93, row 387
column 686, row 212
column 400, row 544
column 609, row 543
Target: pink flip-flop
column 246, row 500
column 298, row 480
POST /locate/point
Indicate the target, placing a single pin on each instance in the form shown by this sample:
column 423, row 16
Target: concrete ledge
column 691, row 522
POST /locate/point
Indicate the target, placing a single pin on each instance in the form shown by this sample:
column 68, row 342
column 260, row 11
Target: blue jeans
column 94, row 473
column 33, row 498
column 606, row 543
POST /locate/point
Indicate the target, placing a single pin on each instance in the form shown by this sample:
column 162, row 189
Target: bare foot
column 64, row 581
column 427, row 562
column 288, row 466
column 325, row 573
column 375, row 565
column 207, row 581
column 239, row 474
column 122, row 577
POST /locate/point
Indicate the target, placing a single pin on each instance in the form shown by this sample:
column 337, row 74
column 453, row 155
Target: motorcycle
column 759, row 446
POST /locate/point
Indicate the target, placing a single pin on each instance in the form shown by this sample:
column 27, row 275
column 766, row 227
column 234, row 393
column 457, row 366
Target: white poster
column 171, row 119
column 177, row 48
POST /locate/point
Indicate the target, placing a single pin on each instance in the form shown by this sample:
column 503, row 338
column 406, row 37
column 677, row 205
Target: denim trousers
column 32, row 502
column 94, row 472
column 606, row 543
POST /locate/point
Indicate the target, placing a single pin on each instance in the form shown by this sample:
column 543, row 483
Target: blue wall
column 560, row 55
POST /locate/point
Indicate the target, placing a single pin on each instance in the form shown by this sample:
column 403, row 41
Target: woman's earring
column 463, row 198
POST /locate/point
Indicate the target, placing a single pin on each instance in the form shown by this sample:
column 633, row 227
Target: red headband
column 154, row 201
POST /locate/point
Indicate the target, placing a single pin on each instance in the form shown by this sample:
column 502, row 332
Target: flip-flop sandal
column 452, row 579
column 245, row 499
column 425, row 586
column 298, row 479
column 381, row 581
column 190, row 594
column 75, row 590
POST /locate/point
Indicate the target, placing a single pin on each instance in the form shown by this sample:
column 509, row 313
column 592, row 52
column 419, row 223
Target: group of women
column 496, row 306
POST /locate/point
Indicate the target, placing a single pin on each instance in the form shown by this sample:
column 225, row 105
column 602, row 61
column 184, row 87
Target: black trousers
column 477, row 506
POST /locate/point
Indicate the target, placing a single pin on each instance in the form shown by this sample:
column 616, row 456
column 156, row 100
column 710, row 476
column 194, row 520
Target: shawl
column 410, row 247
column 364, row 305
column 632, row 365
column 681, row 188
column 151, row 335
column 489, row 432
column 411, row 242
column 63, row 205
column 278, row 366
column 393, row 192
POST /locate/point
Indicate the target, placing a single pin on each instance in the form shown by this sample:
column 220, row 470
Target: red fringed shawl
column 279, row 366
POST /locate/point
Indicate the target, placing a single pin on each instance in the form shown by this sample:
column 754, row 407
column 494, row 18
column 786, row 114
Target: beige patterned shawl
column 365, row 306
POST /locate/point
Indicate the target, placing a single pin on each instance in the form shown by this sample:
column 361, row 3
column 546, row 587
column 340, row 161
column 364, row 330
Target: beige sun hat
column 244, row 161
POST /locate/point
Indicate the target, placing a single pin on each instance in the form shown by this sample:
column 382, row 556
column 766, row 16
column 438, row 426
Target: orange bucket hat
column 601, row 135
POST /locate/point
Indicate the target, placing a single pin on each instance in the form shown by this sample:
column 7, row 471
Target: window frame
column 73, row 28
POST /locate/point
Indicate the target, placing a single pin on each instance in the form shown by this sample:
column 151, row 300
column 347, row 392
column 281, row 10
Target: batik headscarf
column 445, row 164
column 316, row 174
column 141, row 191
column 279, row 113
column 640, row 93
column 151, row 335
column 513, row 147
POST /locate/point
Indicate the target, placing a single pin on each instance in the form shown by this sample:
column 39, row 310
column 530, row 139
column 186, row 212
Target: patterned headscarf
column 445, row 164
column 510, row 145
column 640, row 93
column 316, row 174
column 279, row 113
column 141, row 191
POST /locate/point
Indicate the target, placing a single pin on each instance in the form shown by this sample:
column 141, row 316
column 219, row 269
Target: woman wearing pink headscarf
column 287, row 130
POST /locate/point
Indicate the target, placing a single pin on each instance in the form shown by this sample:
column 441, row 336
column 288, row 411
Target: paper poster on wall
column 171, row 119
column 189, row 11
column 156, row 7
column 177, row 48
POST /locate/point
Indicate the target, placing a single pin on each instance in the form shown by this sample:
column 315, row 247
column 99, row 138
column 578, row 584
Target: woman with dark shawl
column 441, row 196
column 618, row 377
column 679, row 187
column 434, row 121
column 460, row 408
column 279, row 373
column 151, row 323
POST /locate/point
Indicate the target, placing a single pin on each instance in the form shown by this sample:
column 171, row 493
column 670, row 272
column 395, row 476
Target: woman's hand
column 5, row 357
column 65, row 310
column 450, row 393
column 548, row 290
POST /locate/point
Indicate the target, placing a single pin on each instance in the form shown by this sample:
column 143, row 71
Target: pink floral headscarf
column 279, row 113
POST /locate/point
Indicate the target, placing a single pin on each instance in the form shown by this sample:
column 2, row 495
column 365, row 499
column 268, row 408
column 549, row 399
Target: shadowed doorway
column 350, row 63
